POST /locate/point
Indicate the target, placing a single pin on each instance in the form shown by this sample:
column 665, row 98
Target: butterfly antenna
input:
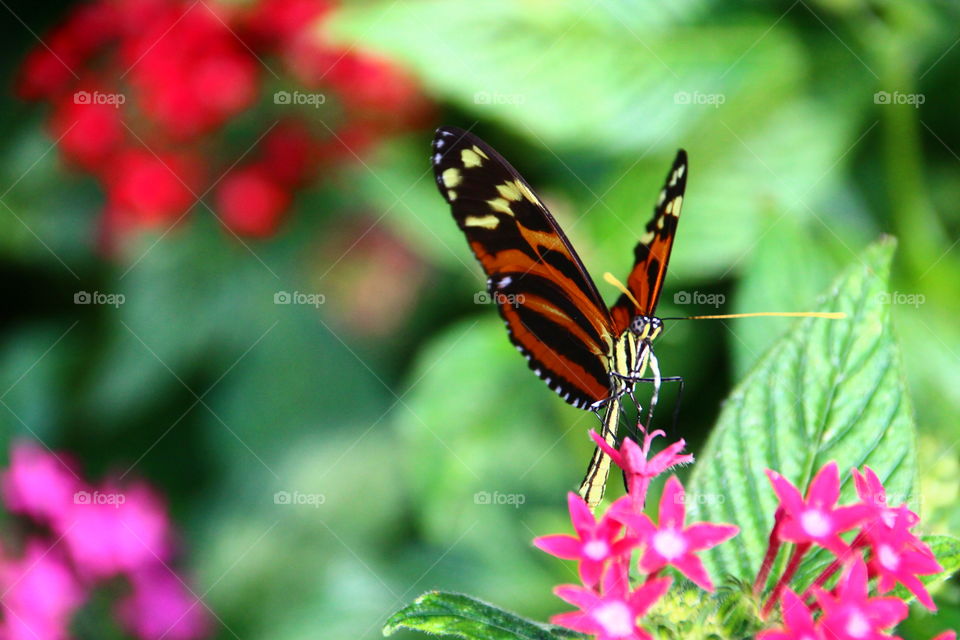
column 619, row 286
column 830, row 315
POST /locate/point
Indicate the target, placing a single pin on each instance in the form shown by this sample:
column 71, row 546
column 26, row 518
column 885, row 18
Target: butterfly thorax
column 630, row 353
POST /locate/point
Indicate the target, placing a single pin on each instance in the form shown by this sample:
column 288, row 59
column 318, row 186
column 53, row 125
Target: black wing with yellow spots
column 553, row 311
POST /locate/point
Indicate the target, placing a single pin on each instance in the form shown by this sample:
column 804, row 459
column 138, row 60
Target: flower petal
column 704, row 535
column 562, row 546
column 672, row 509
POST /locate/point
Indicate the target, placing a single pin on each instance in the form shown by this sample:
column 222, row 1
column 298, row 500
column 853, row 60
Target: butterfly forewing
column 553, row 311
column 652, row 253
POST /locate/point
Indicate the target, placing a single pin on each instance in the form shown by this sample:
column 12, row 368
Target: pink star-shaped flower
column 873, row 494
column 816, row 519
column 899, row 556
column 593, row 546
column 852, row 615
column 671, row 543
column 632, row 458
column 797, row 619
column 613, row 614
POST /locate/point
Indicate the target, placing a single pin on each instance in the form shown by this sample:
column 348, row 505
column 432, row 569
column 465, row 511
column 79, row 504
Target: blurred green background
column 399, row 400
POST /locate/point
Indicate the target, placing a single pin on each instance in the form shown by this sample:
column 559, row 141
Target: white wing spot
column 436, row 159
column 439, row 143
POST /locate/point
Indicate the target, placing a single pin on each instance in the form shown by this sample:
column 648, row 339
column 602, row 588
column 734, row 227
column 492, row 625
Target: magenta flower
column 898, row 556
column 798, row 621
column 632, row 458
column 816, row 519
column 946, row 635
column 40, row 594
column 161, row 606
column 873, row 494
column 852, row 615
column 594, row 545
column 612, row 615
column 110, row 531
column 38, row 484
column 671, row 543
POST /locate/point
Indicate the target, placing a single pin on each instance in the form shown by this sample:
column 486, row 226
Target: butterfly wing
column 553, row 311
column 652, row 253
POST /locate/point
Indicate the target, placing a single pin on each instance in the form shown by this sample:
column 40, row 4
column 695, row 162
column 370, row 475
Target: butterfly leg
column 676, row 408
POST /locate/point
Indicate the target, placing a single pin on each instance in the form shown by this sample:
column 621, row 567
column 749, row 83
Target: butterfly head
column 646, row 328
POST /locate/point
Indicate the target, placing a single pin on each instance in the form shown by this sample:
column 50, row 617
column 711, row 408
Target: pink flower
column 612, row 615
column 798, row 621
column 639, row 471
column 594, row 545
column 38, row 484
column 873, row 494
column 40, row 594
column 671, row 543
column 161, row 606
column 898, row 556
column 109, row 531
column 851, row 614
column 950, row 634
column 816, row 519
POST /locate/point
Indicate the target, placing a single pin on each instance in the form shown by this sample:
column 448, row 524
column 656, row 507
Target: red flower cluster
column 142, row 93
column 883, row 548
column 81, row 537
column 608, row 607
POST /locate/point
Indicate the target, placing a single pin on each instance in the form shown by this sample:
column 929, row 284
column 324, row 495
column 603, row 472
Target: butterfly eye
column 640, row 326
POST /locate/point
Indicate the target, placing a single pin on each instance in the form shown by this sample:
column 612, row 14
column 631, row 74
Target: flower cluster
column 608, row 606
column 81, row 537
column 143, row 93
column 882, row 547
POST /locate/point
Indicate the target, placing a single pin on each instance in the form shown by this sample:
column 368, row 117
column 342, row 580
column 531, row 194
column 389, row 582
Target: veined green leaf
column 460, row 616
column 828, row 390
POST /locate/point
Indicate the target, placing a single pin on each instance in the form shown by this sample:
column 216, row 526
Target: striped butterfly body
column 585, row 352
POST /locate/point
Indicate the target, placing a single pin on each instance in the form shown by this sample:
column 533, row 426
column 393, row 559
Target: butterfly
column 555, row 317
column 588, row 354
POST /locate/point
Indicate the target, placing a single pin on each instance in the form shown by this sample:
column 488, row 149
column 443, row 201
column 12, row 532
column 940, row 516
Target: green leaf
column 457, row 615
column 828, row 390
column 581, row 71
column 947, row 551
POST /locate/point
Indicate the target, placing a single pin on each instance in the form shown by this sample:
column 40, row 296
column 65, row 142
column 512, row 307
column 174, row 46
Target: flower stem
column 798, row 552
column 772, row 548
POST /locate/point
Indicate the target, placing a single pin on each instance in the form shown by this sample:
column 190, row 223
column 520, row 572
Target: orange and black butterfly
column 586, row 353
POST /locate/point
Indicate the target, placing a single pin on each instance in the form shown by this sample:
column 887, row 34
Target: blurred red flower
column 145, row 92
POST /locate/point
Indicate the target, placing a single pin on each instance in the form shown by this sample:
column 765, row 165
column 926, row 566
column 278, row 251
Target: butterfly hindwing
column 552, row 309
column 652, row 253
